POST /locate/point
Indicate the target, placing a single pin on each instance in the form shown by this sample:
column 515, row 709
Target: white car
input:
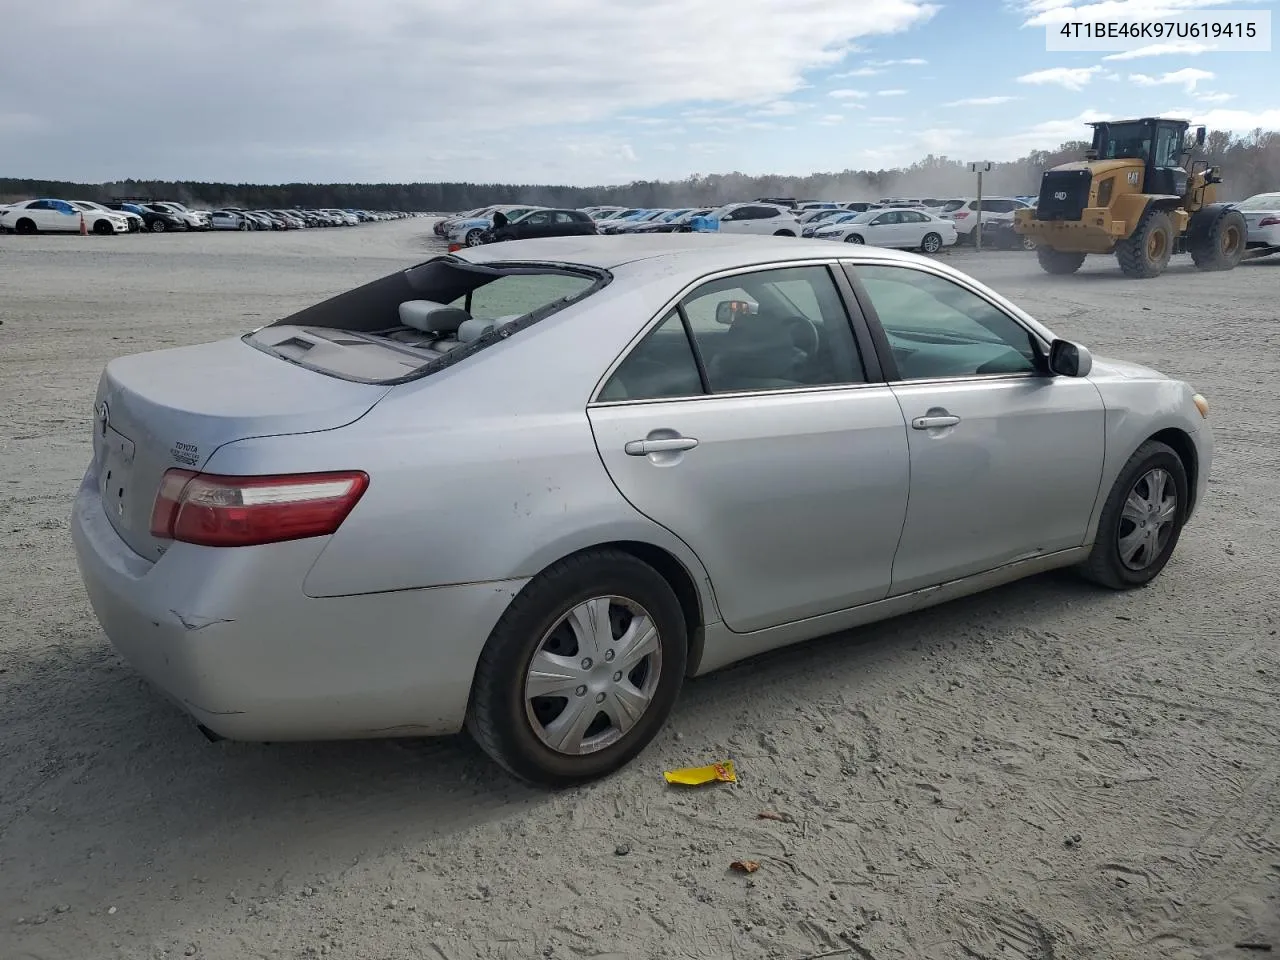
column 194, row 219
column 60, row 216
column 902, row 228
column 768, row 219
column 1262, row 214
column 964, row 212
column 229, row 220
column 135, row 223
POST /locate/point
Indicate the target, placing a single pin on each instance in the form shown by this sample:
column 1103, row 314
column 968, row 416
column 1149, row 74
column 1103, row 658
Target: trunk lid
column 174, row 408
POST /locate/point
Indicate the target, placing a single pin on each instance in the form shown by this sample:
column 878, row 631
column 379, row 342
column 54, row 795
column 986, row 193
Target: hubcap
column 593, row 675
column 1155, row 245
column 1230, row 240
column 1147, row 520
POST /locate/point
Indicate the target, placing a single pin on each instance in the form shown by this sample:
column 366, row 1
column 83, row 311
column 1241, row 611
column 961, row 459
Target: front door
column 761, row 444
column 1006, row 460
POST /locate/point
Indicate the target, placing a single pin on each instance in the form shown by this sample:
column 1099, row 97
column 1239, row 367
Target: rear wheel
column 1146, row 254
column 1060, row 262
column 26, row 225
column 581, row 671
column 1221, row 246
column 1141, row 521
column 931, row 243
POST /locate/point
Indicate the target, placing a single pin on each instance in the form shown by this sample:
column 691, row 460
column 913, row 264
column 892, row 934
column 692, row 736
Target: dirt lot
column 1045, row 771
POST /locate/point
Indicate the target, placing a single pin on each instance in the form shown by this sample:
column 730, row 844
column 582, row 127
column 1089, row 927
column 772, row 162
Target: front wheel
column 1059, row 262
column 931, row 243
column 854, row 238
column 1146, row 254
column 784, row 233
column 1141, row 521
column 581, row 671
column 474, row 238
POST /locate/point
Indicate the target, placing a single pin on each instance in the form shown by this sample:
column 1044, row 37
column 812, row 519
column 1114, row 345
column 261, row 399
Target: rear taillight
column 216, row 511
column 1269, row 222
column 960, row 214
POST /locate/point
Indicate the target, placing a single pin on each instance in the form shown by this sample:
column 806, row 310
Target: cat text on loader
column 1134, row 197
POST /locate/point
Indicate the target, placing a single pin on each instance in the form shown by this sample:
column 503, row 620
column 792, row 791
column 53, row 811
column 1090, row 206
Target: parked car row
column 927, row 224
column 136, row 215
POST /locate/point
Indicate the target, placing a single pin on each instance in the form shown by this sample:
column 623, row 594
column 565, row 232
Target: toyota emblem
column 1060, row 195
column 104, row 417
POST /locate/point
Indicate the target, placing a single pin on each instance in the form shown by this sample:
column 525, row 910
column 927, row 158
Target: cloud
column 1043, row 136
column 908, row 62
column 980, row 101
column 848, row 94
column 884, row 119
column 1187, row 47
column 828, row 119
column 1188, row 77
column 1073, row 78
column 375, row 89
column 860, row 72
column 1215, row 97
column 1042, row 13
column 1233, row 121
column 780, row 108
column 891, row 93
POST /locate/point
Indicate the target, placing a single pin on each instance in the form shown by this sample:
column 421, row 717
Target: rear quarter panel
column 483, row 471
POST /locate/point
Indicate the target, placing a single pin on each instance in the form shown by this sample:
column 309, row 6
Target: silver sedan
column 530, row 488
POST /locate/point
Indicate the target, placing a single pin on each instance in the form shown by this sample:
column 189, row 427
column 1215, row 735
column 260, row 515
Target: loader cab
column 1159, row 144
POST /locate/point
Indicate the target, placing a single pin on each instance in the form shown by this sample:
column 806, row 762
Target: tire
column 1028, row 243
column 474, row 237
column 1058, row 262
column 245, row 225
column 854, row 238
column 515, row 730
column 1106, row 564
column 25, row 226
column 931, row 243
column 1146, row 254
column 103, row 228
column 1222, row 244
column 784, row 233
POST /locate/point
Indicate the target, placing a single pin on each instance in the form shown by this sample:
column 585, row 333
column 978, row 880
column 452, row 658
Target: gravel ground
column 1041, row 772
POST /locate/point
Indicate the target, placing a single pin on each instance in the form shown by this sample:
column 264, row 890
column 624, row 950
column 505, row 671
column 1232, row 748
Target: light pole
column 980, row 167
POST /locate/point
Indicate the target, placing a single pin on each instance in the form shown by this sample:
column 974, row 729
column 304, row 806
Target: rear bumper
column 229, row 636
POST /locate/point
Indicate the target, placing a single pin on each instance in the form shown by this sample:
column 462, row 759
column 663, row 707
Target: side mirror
column 1199, row 136
column 728, row 311
column 1067, row 359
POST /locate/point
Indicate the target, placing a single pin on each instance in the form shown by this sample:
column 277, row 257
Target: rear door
column 1006, row 460
column 760, row 439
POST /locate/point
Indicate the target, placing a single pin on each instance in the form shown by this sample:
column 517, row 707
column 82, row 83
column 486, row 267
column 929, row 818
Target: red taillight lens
column 1269, row 222
column 960, row 214
column 217, row 511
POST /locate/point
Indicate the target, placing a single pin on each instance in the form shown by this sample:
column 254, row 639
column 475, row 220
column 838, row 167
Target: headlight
column 1104, row 191
column 1202, row 405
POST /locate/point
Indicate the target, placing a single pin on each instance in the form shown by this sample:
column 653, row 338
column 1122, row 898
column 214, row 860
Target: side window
column 661, row 365
column 539, row 219
column 40, row 205
column 562, row 217
column 794, row 332
column 911, row 216
column 937, row 328
column 1167, row 148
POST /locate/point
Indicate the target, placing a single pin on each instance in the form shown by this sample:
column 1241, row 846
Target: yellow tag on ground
column 696, row 776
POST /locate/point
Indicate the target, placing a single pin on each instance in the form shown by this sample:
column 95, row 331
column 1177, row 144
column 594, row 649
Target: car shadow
column 108, row 784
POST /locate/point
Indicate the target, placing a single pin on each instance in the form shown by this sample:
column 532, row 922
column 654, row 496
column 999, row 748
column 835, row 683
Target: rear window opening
column 413, row 322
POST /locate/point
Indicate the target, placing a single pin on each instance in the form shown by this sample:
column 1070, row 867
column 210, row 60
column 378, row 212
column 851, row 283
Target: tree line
column 1249, row 164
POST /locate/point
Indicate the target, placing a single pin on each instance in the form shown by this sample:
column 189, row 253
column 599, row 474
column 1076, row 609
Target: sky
column 578, row 91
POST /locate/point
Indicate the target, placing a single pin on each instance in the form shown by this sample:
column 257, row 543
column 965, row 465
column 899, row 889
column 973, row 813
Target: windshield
column 1126, row 140
column 1262, row 201
column 952, row 205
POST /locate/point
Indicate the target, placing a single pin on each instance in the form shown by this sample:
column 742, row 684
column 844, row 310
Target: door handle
column 932, row 423
column 642, row 448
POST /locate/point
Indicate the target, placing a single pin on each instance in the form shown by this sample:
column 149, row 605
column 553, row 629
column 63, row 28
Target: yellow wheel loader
column 1133, row 196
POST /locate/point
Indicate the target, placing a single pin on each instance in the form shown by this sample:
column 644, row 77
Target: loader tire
column 1219, row 244
column 1059, row 262
column 1146, row 254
